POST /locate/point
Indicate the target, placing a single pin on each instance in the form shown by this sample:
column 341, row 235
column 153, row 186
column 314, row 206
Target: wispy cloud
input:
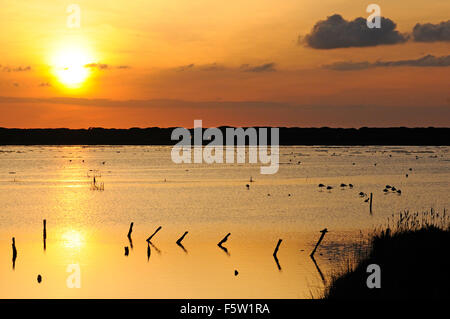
column 15, row 69
column 268, row 67
column 103, row 66
column 426, row 61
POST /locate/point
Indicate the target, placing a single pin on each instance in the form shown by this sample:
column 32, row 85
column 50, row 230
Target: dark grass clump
column 413, row 254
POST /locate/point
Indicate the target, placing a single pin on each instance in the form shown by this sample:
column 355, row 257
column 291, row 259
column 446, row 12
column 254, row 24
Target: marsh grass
column 412, row 251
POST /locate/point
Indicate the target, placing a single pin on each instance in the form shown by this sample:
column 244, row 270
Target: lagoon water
column 142, row 185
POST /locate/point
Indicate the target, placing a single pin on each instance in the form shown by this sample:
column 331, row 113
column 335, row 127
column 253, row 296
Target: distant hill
column 288, row 136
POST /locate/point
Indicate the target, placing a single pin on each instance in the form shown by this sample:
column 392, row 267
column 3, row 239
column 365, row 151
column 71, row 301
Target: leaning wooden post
column 223, row 240
column 277, row 247
column 181, row 238
column 323, row 231
column 150, row 238
column 370, row 203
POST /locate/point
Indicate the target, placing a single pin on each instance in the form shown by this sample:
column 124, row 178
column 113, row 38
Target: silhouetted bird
column 343, row 185
column 385, row 190
column 388, row 186
column 248, row 186
column 236, row 272
column 393, row 189
column 350, row 185
column 362, row 194
column 321, row 185
column 39, row 278
column 329, row 187
column 399, row 191
column 366, row 200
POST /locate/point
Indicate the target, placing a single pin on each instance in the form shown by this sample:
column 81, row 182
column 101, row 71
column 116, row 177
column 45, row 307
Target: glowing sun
column 70, row 66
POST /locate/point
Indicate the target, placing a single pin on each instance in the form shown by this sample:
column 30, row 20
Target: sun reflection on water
column 73, row 239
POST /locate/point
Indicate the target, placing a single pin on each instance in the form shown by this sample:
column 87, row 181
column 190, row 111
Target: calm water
column 142, row 185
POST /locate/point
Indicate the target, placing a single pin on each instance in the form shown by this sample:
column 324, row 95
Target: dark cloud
column 336, row 32
column 45, row 84
column 429, row 32
column 268, row 67
column 16, row 69
column 426, row 61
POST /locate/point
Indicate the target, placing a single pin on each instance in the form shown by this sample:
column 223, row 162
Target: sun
column 69, row 66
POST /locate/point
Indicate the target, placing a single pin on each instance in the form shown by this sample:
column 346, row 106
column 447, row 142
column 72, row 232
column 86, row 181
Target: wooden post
column 157, row 230
column 44, row 234
column 277, row 247
column 370, row 203
column 224, row 240
column 323, row 231
column 181, row 238
column 130, row 231
column 14, row 252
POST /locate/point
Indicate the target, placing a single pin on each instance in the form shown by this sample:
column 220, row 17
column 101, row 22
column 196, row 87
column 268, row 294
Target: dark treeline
column 288, row 136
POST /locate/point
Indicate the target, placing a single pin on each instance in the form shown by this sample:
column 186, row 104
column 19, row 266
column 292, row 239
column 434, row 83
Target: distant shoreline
column 401, row 136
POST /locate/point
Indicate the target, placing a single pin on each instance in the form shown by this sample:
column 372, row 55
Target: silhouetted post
column 130, row 231
column 148, row 251
column 323, row 231
column 224, row 240
column 277, row 247
column 150, row 238
column 181, row 238
column 44, row 234
column 14, row 252
column 127, row 251
column 370, row 203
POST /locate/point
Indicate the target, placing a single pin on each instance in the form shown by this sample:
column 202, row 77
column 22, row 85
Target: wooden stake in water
column 181, row 238
column 323, row 231
column 44, row 234
column 277, row 247
column 224, row 240
column 130, row 231
column 14, row 252
column 150, row 238
column 370, row 203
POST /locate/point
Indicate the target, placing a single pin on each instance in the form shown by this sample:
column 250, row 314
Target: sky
column 166, row 63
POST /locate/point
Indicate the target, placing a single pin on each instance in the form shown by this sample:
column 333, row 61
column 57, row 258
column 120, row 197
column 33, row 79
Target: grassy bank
column 412, row 251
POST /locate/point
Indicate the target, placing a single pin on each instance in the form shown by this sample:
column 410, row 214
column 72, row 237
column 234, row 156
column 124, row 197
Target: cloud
column 185, row 67
column 429, row 32
column 336, row 32
column 44, row 84
column 102, row 66
column 268, row 67
column 16, row 69
column 425, row 61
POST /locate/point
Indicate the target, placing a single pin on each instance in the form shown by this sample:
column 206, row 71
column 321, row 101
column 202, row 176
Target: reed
column 411, row 250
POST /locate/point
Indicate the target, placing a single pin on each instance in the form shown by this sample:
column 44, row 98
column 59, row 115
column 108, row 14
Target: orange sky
column 168, row 62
